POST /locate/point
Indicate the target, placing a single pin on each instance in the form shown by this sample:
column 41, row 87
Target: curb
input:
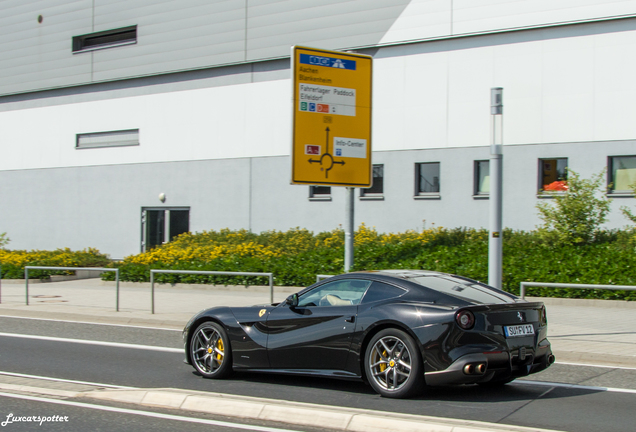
column 39, row 390
column 339, row 418
column 293, row 413
column 595, row 358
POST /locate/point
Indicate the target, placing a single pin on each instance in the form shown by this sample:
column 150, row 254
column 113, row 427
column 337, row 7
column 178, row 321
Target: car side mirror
column 292, row 300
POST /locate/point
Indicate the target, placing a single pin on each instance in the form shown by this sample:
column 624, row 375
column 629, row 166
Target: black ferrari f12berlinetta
column 398, row 330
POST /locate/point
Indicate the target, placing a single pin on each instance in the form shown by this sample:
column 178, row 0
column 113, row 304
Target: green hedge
column 299, row 255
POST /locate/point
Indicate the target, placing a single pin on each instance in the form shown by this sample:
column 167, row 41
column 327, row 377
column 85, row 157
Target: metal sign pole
column 495, row 240
column 331, row 124
column 349, row 230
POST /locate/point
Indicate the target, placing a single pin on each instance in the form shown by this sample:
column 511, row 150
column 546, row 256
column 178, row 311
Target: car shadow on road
column 320, row 389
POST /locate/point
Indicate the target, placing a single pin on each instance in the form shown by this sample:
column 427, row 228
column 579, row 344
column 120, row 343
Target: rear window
column 464, row 289
column 381, row 291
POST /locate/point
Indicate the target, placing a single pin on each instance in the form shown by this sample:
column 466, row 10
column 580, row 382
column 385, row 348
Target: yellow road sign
column 331, row 139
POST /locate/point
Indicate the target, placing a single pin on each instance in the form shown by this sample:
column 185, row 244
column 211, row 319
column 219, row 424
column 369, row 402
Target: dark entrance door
column 155, row 228
column 161, row 225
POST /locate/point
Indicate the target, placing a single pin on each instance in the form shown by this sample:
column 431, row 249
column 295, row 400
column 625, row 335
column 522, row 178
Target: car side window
column 381, row 291
column 343, row 292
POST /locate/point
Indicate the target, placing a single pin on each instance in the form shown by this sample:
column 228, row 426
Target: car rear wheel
column 393, row 364
column 210, row 351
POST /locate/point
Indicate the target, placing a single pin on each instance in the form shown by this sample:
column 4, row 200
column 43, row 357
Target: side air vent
column 105, row 39
column 108, row 139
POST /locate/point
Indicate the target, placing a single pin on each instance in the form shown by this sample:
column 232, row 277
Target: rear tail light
column 465, row 319
column 543, row 318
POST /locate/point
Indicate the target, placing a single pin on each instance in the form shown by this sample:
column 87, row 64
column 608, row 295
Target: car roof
column 403, row 273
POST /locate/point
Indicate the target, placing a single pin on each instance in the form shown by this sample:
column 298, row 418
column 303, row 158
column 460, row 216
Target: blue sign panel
column 331, row 62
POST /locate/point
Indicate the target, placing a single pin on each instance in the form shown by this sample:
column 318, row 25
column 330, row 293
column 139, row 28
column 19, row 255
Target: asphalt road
column 576, row 409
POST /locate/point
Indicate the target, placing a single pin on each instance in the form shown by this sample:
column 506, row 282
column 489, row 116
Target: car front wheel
column 393, row 364
column 210, row 351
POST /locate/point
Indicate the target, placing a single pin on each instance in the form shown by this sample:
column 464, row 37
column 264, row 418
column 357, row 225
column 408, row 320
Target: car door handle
column 351, row 319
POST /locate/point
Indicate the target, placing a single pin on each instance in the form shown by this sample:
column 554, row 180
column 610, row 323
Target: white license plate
column 519, row 330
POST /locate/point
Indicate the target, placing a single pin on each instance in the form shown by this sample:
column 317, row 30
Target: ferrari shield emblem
column 262, row 312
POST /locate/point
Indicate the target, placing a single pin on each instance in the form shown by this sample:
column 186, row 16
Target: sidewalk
column 581, row 331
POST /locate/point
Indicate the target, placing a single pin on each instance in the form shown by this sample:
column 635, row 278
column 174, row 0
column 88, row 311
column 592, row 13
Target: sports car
column 398, row 330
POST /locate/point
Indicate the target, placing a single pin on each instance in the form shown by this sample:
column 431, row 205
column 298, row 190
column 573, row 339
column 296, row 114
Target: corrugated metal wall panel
column 111, row 12
column 171, row 36
column 138, row 65
column 191, row 34
column 38, row 55
column 471, row 16
column 421, row 19
column 273, row 27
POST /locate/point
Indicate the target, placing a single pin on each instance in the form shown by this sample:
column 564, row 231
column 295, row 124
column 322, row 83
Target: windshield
column 464, row 289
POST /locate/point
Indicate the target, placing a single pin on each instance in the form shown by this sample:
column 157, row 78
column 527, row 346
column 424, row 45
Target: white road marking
column 19, row 375
column 90, row 342
column 596, row 365
column 147, row 413
column 92, row 323
column 576, row 386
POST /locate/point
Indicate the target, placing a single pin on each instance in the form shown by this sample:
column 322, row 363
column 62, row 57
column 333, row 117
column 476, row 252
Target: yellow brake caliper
column 219, row 345
column 383, row 365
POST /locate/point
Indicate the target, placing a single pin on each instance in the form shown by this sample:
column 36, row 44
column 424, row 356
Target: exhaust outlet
column 469, row 369
column 481, row 368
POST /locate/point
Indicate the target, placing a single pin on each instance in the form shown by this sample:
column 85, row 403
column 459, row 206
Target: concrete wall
column 100, row 206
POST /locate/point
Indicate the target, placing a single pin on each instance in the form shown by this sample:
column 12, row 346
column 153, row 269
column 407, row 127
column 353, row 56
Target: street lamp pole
column 495, row 239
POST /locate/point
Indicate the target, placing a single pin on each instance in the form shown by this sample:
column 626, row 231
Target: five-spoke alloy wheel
column 210, row 351
column 393, row 364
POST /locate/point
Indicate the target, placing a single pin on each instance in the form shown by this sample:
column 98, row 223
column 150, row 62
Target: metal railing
column 321, row 277
column 27, row 268
column 218, row 273
column 523, row 285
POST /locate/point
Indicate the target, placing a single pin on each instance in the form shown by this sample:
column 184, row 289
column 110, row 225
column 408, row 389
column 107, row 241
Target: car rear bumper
column 492, row 366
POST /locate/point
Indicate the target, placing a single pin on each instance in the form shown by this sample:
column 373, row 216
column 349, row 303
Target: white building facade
column 124, row 123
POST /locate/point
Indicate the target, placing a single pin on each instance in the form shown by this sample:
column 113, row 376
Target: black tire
column 393, row 364
column 210, row 351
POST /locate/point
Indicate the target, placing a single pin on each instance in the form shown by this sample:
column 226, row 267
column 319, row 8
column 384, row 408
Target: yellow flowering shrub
column 331, row 239
column 173, row 253
column 13, row 261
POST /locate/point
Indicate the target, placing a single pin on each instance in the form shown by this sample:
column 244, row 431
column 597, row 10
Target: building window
column 622, row 174
column 105, row 39
column 553, row 175
column 481, row 184
column 377, row 188
column 319, row 193
column 107, row 139
column 427, row 180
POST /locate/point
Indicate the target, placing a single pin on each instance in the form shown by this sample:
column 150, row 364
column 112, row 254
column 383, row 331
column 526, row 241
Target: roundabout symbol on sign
column 328, row 159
